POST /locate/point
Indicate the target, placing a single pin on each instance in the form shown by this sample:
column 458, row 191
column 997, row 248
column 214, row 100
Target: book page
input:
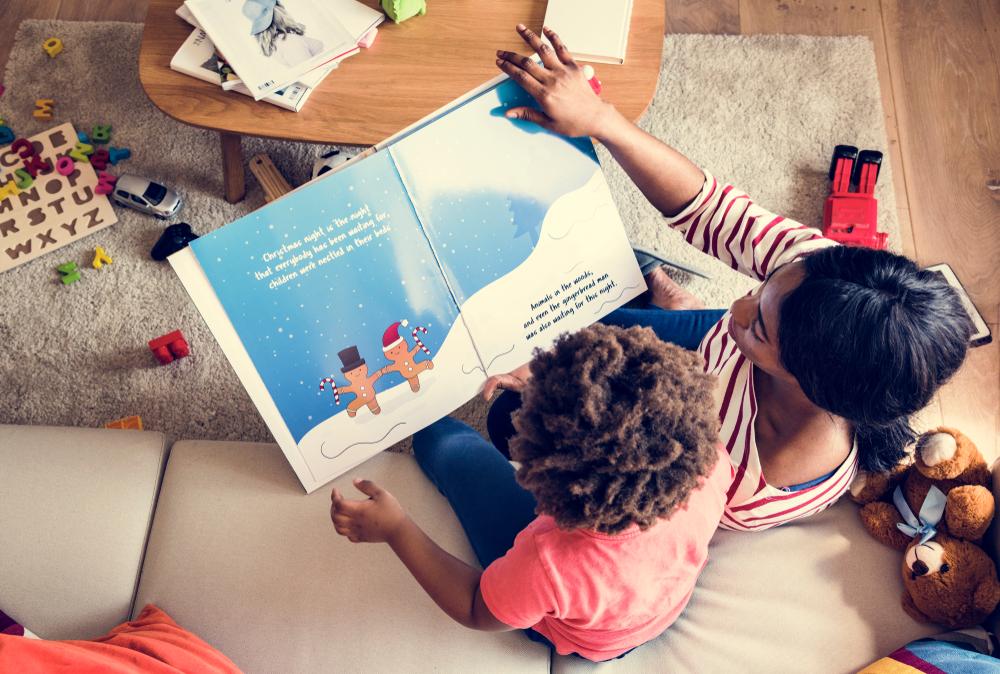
column 522, row 222
column 339, row 307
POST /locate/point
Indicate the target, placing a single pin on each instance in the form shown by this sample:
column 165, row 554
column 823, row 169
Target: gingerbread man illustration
column 397, row 350
column 362, row 385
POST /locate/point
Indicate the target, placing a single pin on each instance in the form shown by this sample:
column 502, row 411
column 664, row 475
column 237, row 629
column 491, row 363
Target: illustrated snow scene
column 362, row 385
column 378, row 299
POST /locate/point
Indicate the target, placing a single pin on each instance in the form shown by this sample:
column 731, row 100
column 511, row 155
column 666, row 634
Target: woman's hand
column 375, row 520
column 512, row 381
column 568, row 105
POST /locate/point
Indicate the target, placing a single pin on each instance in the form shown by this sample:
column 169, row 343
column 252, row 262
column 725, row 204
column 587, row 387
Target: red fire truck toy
column 851, row 218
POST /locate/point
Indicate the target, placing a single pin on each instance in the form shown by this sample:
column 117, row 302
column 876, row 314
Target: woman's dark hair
column 616, row 427
column 870, row 338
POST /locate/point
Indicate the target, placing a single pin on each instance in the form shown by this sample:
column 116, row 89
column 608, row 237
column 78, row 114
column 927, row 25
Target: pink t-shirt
column 600, row 595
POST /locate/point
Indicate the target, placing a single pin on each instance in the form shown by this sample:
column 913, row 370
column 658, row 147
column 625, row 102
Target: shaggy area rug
column 763, row 113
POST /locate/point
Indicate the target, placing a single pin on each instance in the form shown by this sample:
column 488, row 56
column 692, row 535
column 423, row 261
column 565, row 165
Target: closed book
column 197, row 58
column 592, row 30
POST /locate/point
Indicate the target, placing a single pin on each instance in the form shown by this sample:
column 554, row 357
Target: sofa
column 97, row 523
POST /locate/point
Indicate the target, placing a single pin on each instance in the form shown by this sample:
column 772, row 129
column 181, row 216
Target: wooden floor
column 939, row 69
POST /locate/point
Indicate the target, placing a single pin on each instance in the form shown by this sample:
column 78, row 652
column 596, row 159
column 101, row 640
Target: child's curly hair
column 616, row 426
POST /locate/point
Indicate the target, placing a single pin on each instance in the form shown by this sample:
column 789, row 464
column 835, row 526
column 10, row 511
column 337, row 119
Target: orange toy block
column 134, row 423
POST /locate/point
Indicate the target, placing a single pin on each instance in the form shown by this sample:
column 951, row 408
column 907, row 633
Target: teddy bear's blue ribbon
column 930, row 514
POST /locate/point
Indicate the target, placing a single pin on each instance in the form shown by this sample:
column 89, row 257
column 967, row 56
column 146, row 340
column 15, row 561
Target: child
column 619, row 459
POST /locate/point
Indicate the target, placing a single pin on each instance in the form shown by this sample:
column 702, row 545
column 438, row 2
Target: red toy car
column 851, row 218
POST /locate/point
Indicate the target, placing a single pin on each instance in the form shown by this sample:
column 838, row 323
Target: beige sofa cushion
column 819, row 595
column 242, row 557
column 75, row 510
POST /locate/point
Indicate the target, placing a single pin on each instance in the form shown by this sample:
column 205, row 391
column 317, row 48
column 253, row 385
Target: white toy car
column 146, row 196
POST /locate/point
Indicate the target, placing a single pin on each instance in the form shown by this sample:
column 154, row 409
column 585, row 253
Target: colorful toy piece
column 53, row 46
column 368, row 38
column 65, row 166
column 9, row 189
column 6, row 135
column 35, row 164
column 44, row 110
column 588, row 72
column 114, row 154
column 69, row 273
column 99, row 160
column 105, row 183
column 101, row 134
column 401, row 10
column 101, row 258
column 81, row 152
column 130, row 423
column 851, row 218
column 175, row 237
column 25, row 177
column 168, row 347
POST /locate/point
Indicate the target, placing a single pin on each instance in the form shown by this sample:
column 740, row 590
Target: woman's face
column 754, row 326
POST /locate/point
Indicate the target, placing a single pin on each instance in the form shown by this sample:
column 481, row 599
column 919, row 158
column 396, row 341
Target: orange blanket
column 153, row 644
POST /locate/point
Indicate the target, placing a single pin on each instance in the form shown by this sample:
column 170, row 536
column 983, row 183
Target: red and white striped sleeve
column 724, row 223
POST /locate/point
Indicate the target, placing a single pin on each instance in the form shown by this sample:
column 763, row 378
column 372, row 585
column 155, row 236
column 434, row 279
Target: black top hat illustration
column 350, row 358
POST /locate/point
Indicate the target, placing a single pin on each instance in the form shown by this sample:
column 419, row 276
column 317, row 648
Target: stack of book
column 277, row 51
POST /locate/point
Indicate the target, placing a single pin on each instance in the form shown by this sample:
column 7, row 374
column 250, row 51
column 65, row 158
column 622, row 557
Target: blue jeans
column 683, row 328
column 479, row 484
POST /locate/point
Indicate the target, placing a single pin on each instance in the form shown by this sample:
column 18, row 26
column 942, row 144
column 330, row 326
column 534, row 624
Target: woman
column 819, row 368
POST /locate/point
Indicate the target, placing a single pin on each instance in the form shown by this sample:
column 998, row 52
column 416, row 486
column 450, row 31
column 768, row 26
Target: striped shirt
column 724, row 223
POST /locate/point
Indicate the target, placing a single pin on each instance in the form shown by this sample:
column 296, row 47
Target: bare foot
column 666, row 294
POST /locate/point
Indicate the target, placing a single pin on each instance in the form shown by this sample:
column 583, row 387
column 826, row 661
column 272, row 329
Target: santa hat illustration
column 391, row 337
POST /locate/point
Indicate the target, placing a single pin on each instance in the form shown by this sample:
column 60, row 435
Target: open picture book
column 378, row 298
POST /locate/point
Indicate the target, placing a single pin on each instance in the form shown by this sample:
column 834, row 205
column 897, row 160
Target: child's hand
column 568, row 105
column 512, row 381
column 374, row 520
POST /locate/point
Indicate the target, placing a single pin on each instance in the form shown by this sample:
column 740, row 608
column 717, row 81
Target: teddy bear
column 937, row 510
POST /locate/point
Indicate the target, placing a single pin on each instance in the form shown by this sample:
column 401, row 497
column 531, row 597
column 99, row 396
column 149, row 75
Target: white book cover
column 358, row 19
column 271, row 43
column 593, row 30
column 197, row 58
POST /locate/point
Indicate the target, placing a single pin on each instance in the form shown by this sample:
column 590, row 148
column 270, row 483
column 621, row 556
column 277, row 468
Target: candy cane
column 336, row 393
column 417, row 339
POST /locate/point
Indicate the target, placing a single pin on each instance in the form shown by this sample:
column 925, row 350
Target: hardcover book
column 597, row 30
column 378, row 298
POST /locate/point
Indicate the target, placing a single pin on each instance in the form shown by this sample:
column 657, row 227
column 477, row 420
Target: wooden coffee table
column 412, row 69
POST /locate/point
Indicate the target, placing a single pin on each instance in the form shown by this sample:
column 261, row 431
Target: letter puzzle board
column 53, row 210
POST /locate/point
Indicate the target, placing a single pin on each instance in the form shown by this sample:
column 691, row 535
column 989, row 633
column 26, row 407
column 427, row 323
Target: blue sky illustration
column 483, row 183
column 294, row 331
